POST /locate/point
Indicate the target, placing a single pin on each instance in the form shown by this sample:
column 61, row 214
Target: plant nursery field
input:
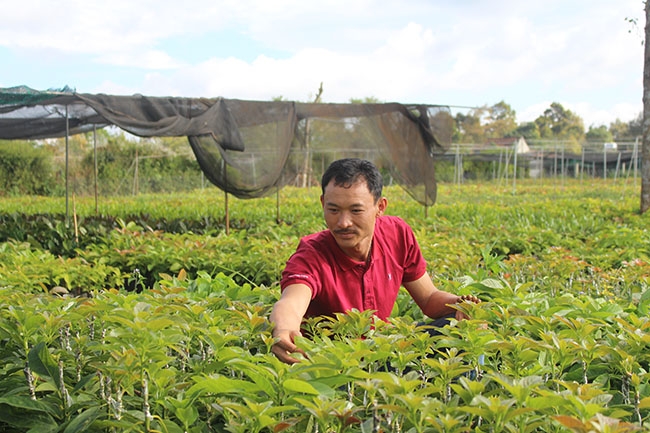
column 150, row 314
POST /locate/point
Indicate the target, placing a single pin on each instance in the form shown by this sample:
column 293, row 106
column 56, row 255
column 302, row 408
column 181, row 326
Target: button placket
column 369, row 302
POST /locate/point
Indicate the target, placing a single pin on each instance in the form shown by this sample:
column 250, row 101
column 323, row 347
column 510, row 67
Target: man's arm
column 287, row 316
column 433, row 302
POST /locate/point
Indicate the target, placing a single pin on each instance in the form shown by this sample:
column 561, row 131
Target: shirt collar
column 344, row 261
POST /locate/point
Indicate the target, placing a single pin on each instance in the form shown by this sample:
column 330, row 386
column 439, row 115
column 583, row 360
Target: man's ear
column 321, row 200
column 381, row 206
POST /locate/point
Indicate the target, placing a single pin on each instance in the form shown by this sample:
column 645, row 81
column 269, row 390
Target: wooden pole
column 562, row 166
column 635, row 157
column 227, row 208
column 426, row 199
column 227, row 213
column 305, row 180
column 457, row 165
column 67, row 157
column 95, row 159
column 555, row 163
column 277, row 205
column 514, row 175
column 135, row 173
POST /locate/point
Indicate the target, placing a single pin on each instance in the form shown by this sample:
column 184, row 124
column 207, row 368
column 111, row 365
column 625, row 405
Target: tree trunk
column 645, row 146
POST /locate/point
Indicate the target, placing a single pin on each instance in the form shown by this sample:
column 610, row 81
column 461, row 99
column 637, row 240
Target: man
column 359, row 262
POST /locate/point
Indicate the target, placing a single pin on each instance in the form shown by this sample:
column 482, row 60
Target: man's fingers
column 284, row 350
column 284, row 355
column 470, row 298
column 462, row 315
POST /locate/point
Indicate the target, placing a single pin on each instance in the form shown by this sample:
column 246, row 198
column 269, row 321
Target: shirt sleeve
column 301, row 269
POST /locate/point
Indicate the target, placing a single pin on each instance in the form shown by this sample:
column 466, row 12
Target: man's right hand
column 284, row 346
column 286, row 317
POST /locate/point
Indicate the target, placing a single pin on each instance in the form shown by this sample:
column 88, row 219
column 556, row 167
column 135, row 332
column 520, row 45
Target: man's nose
column 344, row 220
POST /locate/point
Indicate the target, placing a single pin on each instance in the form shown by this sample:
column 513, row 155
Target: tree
column 560, row 123
column 599, row 134
column 619, row 130
column 528, row 130
column 645, row 149
column 544, row 126
column 25, row 168
column 635, row 127
column 485, row 122
column 500, row 121
column 469, row 126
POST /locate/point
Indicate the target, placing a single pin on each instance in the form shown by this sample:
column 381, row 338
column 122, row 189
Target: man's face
column 350, row 214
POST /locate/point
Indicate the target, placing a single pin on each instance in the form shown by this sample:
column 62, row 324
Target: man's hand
column 284, row 345
column 460, row 315
column 286, row 318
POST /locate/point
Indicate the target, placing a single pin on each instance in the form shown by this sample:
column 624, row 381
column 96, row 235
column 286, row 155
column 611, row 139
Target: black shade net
column 251, row 148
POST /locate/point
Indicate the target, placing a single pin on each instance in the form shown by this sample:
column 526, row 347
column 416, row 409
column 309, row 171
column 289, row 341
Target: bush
column 25, row 168
column 158, row 169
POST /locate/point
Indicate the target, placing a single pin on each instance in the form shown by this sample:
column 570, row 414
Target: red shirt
column 339, row 283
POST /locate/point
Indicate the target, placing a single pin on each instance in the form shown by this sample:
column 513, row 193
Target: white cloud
column 596, row 117
column 583, row 53
column 102, row 28
column 112, row 88
column 531, row 112
column 153, row 59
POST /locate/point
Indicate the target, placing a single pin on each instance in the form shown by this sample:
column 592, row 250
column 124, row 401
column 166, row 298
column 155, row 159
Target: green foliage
column 125, row 167
column 469, row 128
column 560, row 123
column 528, row 130
column 26, row 269
column 555, row 123
column 176, row 358
column 560, row 342
column 477, row 170
column 599, row 134
column 25, row 168
column 500, row 121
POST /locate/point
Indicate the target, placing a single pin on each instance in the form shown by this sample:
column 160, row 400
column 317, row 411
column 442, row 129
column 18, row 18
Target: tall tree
column 599, row 134
column 645, row 149
column 635, row 126
column 544, row 125
column 619, row 130
column 528, row 130
column 500, row 121
column 560, row 123
column 469, row 126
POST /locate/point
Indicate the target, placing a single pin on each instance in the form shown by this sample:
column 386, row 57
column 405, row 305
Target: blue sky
column 584, row 54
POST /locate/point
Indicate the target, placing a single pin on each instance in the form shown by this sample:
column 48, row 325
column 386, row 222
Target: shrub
column 25, row 168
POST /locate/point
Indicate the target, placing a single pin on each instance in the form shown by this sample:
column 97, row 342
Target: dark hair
column 348, row 171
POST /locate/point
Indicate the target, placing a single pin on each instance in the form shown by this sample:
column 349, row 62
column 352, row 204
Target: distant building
column 518, row 143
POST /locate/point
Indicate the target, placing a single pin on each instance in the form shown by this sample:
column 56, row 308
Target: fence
column 539, row 159
column 461, row 163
